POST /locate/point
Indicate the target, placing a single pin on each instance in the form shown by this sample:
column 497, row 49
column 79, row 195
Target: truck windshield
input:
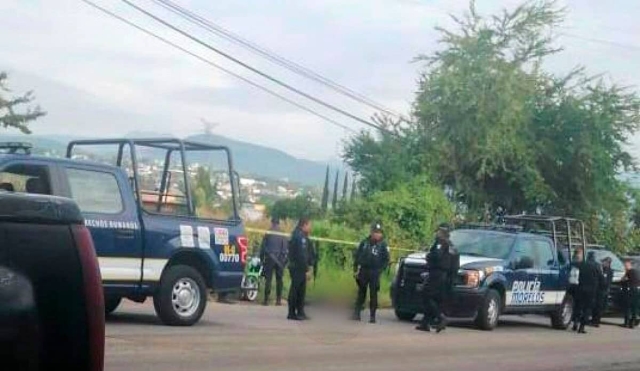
column 482, row 243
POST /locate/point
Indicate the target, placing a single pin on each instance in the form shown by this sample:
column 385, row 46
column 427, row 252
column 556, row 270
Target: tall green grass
column 334, row 280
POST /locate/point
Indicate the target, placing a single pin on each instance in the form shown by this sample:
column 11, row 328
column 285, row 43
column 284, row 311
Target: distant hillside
column 248, row 158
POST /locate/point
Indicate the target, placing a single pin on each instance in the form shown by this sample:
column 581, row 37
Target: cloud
column 95, row 75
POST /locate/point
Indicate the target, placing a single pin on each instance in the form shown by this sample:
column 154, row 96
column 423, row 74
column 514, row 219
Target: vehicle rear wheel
column 405, row 316
column 182, row 296
column 489, row 311
column 111, row 303
column 561, row 317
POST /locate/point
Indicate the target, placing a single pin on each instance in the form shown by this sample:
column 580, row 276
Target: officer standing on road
column 631, row 286
column 300, row 255
column 589, row 281
column 442, row 265
column 273, row 254
column 574, row 276
column 603, row 292
column 369, row 260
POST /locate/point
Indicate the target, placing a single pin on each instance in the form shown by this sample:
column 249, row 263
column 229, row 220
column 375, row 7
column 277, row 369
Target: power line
column 213, row 64
column 272, row 56
column 603, row 41
column 257, row 71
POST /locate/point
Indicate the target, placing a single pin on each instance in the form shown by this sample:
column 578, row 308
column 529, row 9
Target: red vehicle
column 52, row 303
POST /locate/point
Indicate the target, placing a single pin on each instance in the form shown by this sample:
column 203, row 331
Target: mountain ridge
column 248, row 158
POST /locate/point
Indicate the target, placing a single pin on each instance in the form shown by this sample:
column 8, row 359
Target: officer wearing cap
column 442, row 265
column 369, row 259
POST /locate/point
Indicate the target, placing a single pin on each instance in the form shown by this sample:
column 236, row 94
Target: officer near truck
column 631, row 286
column 442, row 265
column 302, row 257
column 273, row 254
column 369, row 260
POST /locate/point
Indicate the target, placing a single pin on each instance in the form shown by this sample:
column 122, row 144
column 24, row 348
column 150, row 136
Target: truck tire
column 182, row 296
column 405, row 316
column 489, row 311
column 561, row 317
column 111, row 303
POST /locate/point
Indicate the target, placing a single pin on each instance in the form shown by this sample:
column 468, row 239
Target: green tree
column 491, row 125
column 345, row 187
column 334, row 203
column 205, row 192
column 354, row 186
column 325, row 192
column 410, row 212
column 10, row 116
column 295, row 208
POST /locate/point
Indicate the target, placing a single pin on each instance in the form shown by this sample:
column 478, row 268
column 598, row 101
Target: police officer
column 369, row 259
column 273, row 254
column 603, row 292
column 574, row 276
column 589, row 281
column 631, row 286
column 300, row 255
column 442, row 264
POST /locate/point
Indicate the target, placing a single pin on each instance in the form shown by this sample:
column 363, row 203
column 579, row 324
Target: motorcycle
column 251, row 280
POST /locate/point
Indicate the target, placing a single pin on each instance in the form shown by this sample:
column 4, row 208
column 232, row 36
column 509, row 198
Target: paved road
column 248, row 337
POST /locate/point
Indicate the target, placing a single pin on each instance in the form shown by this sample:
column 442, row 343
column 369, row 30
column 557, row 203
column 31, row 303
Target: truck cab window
column 25, row 178
column 95, row 191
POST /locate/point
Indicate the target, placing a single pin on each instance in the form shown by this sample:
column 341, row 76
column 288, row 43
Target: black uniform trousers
column 368, row 279
column 587, row 301
column 632, row 301
column 434, row 294
column 577, row 305
column 271, row 267
column 297, row 291
column 600, row 306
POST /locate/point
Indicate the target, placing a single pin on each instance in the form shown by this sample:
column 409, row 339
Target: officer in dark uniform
column 369, row 260
column 589, row 281
column 273, row 254
column 301, row 255
column 631, row 286
column 603, row 292
column 442, row 265
column 574, row 276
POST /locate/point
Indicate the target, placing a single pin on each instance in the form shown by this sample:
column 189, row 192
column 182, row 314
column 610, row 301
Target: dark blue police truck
column 519, row 267
column 150, row 239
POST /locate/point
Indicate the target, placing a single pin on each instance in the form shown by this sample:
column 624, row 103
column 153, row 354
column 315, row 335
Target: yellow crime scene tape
column 321, row 239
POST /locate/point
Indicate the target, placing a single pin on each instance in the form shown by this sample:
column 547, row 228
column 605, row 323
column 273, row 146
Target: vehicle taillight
column 94, row 296
column 243, row 245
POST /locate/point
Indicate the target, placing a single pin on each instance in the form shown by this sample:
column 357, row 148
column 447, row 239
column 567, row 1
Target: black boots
column 423, row 327
column 372, row 319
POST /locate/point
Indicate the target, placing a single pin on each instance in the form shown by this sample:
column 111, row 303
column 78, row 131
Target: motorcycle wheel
column 251, row 288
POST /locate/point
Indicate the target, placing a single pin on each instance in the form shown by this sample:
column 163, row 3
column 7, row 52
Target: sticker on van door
column 221, row 236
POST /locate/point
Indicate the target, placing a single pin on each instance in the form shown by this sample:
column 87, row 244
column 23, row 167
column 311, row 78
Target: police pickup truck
column 149, row 240
column 516, row 268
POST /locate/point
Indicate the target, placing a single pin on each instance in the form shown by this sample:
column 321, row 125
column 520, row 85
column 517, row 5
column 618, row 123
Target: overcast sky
column 96, row 76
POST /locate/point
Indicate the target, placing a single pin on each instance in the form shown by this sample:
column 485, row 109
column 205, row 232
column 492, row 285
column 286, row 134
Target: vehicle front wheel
column 561, row 317
column 182, row 296
column 111, row 303
column 489, row 311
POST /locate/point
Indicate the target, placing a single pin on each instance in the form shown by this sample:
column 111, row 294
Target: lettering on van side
column 527, row 292
column 111, row 224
